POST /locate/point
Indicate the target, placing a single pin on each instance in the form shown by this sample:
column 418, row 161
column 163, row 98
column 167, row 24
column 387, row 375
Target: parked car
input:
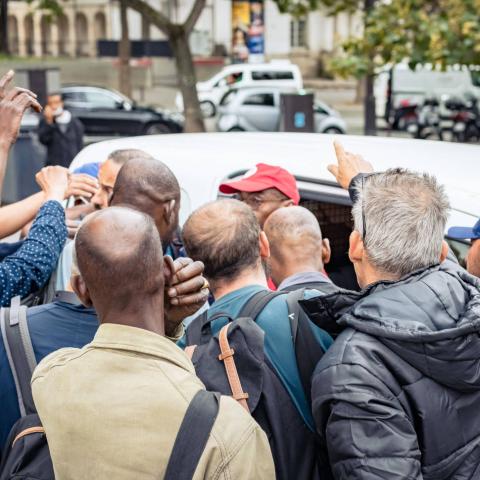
column 280, row 73
column 106, row 112
column 202, row 161
column 258, row 110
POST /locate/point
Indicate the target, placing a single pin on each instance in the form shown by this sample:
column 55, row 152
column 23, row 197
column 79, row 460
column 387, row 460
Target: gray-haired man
column 397, row 395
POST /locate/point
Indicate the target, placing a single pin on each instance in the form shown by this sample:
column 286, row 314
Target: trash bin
column 296, row 113
column 27, row 157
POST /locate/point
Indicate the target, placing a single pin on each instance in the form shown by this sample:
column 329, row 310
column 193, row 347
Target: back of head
column 122, row 156
column 128, row 269
column 224, row 235
column 401, row 216
column 294, row 234
column 144, row 180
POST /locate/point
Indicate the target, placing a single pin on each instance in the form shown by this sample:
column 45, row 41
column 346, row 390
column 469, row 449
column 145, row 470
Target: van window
column 460, row 249
column 272, row 75
column 263, row 100
column 336, row 224
column 230, row 79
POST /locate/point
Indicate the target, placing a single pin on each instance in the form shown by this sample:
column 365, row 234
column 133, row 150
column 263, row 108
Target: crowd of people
column 136, row 348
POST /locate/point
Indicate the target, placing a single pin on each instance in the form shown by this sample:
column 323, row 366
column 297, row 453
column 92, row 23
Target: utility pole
column 370, row 116
column 4, row 27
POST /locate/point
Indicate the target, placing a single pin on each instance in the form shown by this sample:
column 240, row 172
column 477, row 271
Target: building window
column 298, row 33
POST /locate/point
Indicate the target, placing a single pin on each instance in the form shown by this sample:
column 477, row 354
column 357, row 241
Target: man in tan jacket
column 112, row 409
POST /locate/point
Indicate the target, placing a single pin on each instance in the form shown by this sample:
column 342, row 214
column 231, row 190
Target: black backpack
column 233, row 362
column 26, row 455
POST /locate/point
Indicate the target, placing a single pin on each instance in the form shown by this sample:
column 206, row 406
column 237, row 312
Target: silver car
column 258, row 110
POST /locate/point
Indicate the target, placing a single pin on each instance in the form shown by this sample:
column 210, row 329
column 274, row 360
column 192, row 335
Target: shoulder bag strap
column 226, row 356
column 21, row 356
column 257, row 303
column 193, row 436
column 307, row 349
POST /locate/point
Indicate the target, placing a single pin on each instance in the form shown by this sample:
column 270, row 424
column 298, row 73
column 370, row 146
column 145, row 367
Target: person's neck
column 255, row 276
column 371, row 275
column 146, row 313
column 294, row 269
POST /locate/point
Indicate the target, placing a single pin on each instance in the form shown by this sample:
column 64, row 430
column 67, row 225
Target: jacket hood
column 431, row 319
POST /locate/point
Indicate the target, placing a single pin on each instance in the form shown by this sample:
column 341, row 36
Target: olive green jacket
column 112, row 410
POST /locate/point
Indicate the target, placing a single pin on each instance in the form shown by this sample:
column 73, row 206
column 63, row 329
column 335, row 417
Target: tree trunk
column 370, row 116
column 4, row 27
column 125, row 77
column 186, row 79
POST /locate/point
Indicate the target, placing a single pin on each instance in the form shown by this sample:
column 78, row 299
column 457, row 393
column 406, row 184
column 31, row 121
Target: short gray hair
column 404, row 214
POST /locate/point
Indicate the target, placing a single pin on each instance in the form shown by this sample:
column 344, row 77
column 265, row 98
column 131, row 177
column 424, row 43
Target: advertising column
column 256, row 39
column 247, row 31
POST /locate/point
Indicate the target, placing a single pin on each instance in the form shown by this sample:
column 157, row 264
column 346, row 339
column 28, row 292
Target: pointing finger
column 339, row 151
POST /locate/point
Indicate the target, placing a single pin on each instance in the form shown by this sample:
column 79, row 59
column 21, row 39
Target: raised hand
column 349, row 165
column 13, row 104
column 54, row 182
column 186, row 293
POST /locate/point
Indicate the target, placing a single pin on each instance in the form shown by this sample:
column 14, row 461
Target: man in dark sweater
column 60, row 132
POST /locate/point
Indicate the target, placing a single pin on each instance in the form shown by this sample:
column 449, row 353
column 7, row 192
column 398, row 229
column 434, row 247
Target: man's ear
column 168, row 269
column 326, row 251
column 264, row 246
column 356, row 250
column 169, row 211
column 444, row 252
column 81, row 290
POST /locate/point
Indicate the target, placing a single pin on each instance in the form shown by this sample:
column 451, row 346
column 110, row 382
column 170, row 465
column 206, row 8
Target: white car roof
column 202, row 161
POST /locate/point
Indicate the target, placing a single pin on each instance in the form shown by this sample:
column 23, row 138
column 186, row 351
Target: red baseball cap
column 263, row 177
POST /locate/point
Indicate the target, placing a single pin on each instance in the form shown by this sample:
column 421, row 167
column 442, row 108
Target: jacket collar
column 121, row 337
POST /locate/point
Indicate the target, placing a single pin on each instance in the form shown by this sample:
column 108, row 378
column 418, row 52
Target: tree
column 4, row 27
column 439, row 33
column 178, row 35
column 124, row 52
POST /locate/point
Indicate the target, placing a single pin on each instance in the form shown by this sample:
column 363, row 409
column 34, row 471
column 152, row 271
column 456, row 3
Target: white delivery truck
column 399, row 86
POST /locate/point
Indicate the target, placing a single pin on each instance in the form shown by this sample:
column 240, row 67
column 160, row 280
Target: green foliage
column 53, row 7
column 441, row 33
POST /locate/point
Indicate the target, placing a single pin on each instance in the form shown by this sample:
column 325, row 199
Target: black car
column 105, row 113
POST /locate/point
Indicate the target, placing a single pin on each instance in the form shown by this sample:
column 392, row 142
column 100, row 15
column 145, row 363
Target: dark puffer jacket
column 398, row 394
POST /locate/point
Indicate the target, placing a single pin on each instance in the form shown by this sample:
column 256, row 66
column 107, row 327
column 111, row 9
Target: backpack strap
column 193, row 435
column 20, row 354
column 226, row 356
column 307, row 349
column 193, row 332
column 257, row 303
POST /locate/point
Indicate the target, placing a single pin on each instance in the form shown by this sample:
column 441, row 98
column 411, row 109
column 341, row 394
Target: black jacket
column 61, row 147
column 398, row 394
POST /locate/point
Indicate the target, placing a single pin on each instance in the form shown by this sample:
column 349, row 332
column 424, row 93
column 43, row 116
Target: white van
column 280, row 73
column 401, row 86
column 202, row 161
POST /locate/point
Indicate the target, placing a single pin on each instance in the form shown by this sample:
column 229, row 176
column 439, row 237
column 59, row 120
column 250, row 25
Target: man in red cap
column 264, row 189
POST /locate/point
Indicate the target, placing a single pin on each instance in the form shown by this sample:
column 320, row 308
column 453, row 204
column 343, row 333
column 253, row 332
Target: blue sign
column 299, row 120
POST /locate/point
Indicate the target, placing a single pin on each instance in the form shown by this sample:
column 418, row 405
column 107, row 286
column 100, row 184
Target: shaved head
column 120, row 260
column 224, row 235
column 149, row 186
column 295, row 242
column 293, row 229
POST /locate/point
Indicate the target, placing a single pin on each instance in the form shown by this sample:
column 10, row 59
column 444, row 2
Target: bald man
column 298, row 253
column 120, row 400
column 151, row 187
